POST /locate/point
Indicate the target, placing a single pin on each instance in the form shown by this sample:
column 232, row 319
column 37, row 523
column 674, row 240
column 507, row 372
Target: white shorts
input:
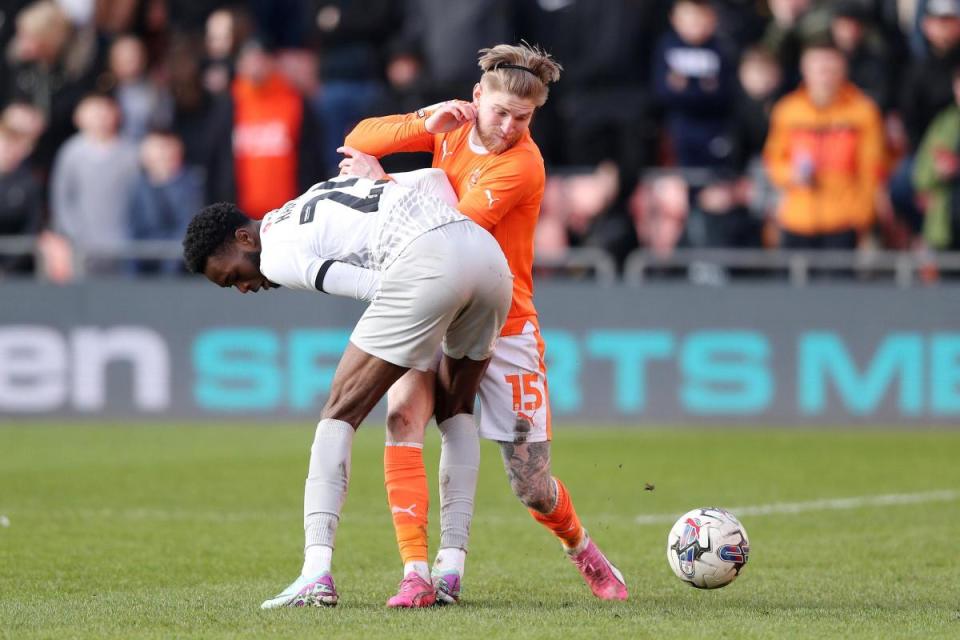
column 450, row 287
column 513, row 396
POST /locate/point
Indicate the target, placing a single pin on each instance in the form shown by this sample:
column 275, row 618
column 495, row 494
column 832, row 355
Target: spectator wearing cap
column 927, row 87
column 825, row 153
column 925, row 91
column 936, row 176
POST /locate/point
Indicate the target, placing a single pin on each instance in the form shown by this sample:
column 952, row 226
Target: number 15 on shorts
column 527, row 395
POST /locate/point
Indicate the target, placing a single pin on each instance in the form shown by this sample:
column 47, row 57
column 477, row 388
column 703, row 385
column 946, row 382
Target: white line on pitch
column 820, row 505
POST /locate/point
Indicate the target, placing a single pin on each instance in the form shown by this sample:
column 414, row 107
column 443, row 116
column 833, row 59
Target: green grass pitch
column 164, row 531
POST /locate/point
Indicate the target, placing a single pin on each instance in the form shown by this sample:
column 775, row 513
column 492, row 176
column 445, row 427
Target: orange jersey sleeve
column 391, row 134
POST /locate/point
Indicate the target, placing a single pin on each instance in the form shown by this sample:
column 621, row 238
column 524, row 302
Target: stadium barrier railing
column 700, row 266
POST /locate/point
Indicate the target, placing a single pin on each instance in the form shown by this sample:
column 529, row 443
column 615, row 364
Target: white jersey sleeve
column 325, row 276
column 342, row 279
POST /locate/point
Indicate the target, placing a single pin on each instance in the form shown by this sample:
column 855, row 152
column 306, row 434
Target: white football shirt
column 350, row 220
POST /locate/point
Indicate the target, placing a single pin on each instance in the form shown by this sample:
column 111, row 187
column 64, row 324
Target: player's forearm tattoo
column 528, row 467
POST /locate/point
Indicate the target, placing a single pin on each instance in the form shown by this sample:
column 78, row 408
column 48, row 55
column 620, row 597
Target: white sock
column 459, row 465
column 316, row 560
column 326, row 486
column 448, row 559
column 417, row 566
column 580, row 547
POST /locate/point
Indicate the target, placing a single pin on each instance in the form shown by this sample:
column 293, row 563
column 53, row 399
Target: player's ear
column 477, row 92
column 246, row 239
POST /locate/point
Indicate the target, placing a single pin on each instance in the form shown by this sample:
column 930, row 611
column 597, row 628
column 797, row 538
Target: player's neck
column 476, row 144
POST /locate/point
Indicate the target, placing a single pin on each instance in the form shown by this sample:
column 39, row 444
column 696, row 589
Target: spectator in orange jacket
column 825, row 153
column 275, row 148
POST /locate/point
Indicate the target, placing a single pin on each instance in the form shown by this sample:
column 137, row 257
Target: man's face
column 847, row 33
column 255, row 65
column 501, row 118
column 943, row 32
column 787, row 12
column 238, row 265
column 695, row 23
column 824, row 71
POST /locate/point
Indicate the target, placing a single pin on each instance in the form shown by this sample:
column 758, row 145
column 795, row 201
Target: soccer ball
column 707, row 548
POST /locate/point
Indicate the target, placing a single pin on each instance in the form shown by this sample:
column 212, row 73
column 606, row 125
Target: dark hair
column 703, row 3
column 822, row 40
column 209, row 232
column 852, row 9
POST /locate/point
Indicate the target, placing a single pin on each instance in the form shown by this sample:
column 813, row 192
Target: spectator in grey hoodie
column 93, row 178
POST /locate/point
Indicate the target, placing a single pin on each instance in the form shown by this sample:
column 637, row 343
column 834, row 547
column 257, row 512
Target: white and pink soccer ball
column 707, row 548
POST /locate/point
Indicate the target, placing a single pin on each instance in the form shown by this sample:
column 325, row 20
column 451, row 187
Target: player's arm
column 343, row 279
column 290, row 268
column 500, row 190
column 410, row 132
column 391, row 134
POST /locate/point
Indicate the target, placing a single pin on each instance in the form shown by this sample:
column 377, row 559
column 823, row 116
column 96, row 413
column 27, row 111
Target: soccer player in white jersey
column 434, row 280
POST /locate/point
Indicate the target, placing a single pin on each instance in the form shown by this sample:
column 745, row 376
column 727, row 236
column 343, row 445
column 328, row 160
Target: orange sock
column 409, row 498
column 563, row 520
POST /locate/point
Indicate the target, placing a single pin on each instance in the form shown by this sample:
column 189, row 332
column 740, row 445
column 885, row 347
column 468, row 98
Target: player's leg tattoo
column 528, row 468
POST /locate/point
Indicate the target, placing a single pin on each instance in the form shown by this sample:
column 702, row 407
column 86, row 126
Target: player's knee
column 451, row 406
column 404, row 424
column 341, row 407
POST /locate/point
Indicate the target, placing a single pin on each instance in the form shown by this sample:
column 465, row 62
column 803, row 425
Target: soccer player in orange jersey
column 485, row 149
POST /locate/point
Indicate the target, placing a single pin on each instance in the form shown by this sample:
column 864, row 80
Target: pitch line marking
column 832, row 504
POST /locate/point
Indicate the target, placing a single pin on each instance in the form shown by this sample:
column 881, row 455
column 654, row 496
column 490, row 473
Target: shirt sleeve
column 351, row 281
column 293, row 269
column 391, row 134
column 500, row 189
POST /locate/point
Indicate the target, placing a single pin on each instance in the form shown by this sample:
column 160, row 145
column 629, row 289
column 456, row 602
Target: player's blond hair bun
column 522, row 70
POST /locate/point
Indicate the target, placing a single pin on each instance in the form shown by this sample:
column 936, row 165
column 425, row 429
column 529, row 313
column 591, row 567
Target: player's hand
column 450, row 115
column 360, row 164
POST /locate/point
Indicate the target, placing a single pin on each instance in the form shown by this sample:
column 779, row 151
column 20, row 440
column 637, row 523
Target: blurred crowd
column 803, row 124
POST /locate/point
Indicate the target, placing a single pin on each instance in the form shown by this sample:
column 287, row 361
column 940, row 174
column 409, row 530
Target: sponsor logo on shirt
column 262, row 139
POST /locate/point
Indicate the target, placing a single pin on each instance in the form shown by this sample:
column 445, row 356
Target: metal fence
column 698, row 266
